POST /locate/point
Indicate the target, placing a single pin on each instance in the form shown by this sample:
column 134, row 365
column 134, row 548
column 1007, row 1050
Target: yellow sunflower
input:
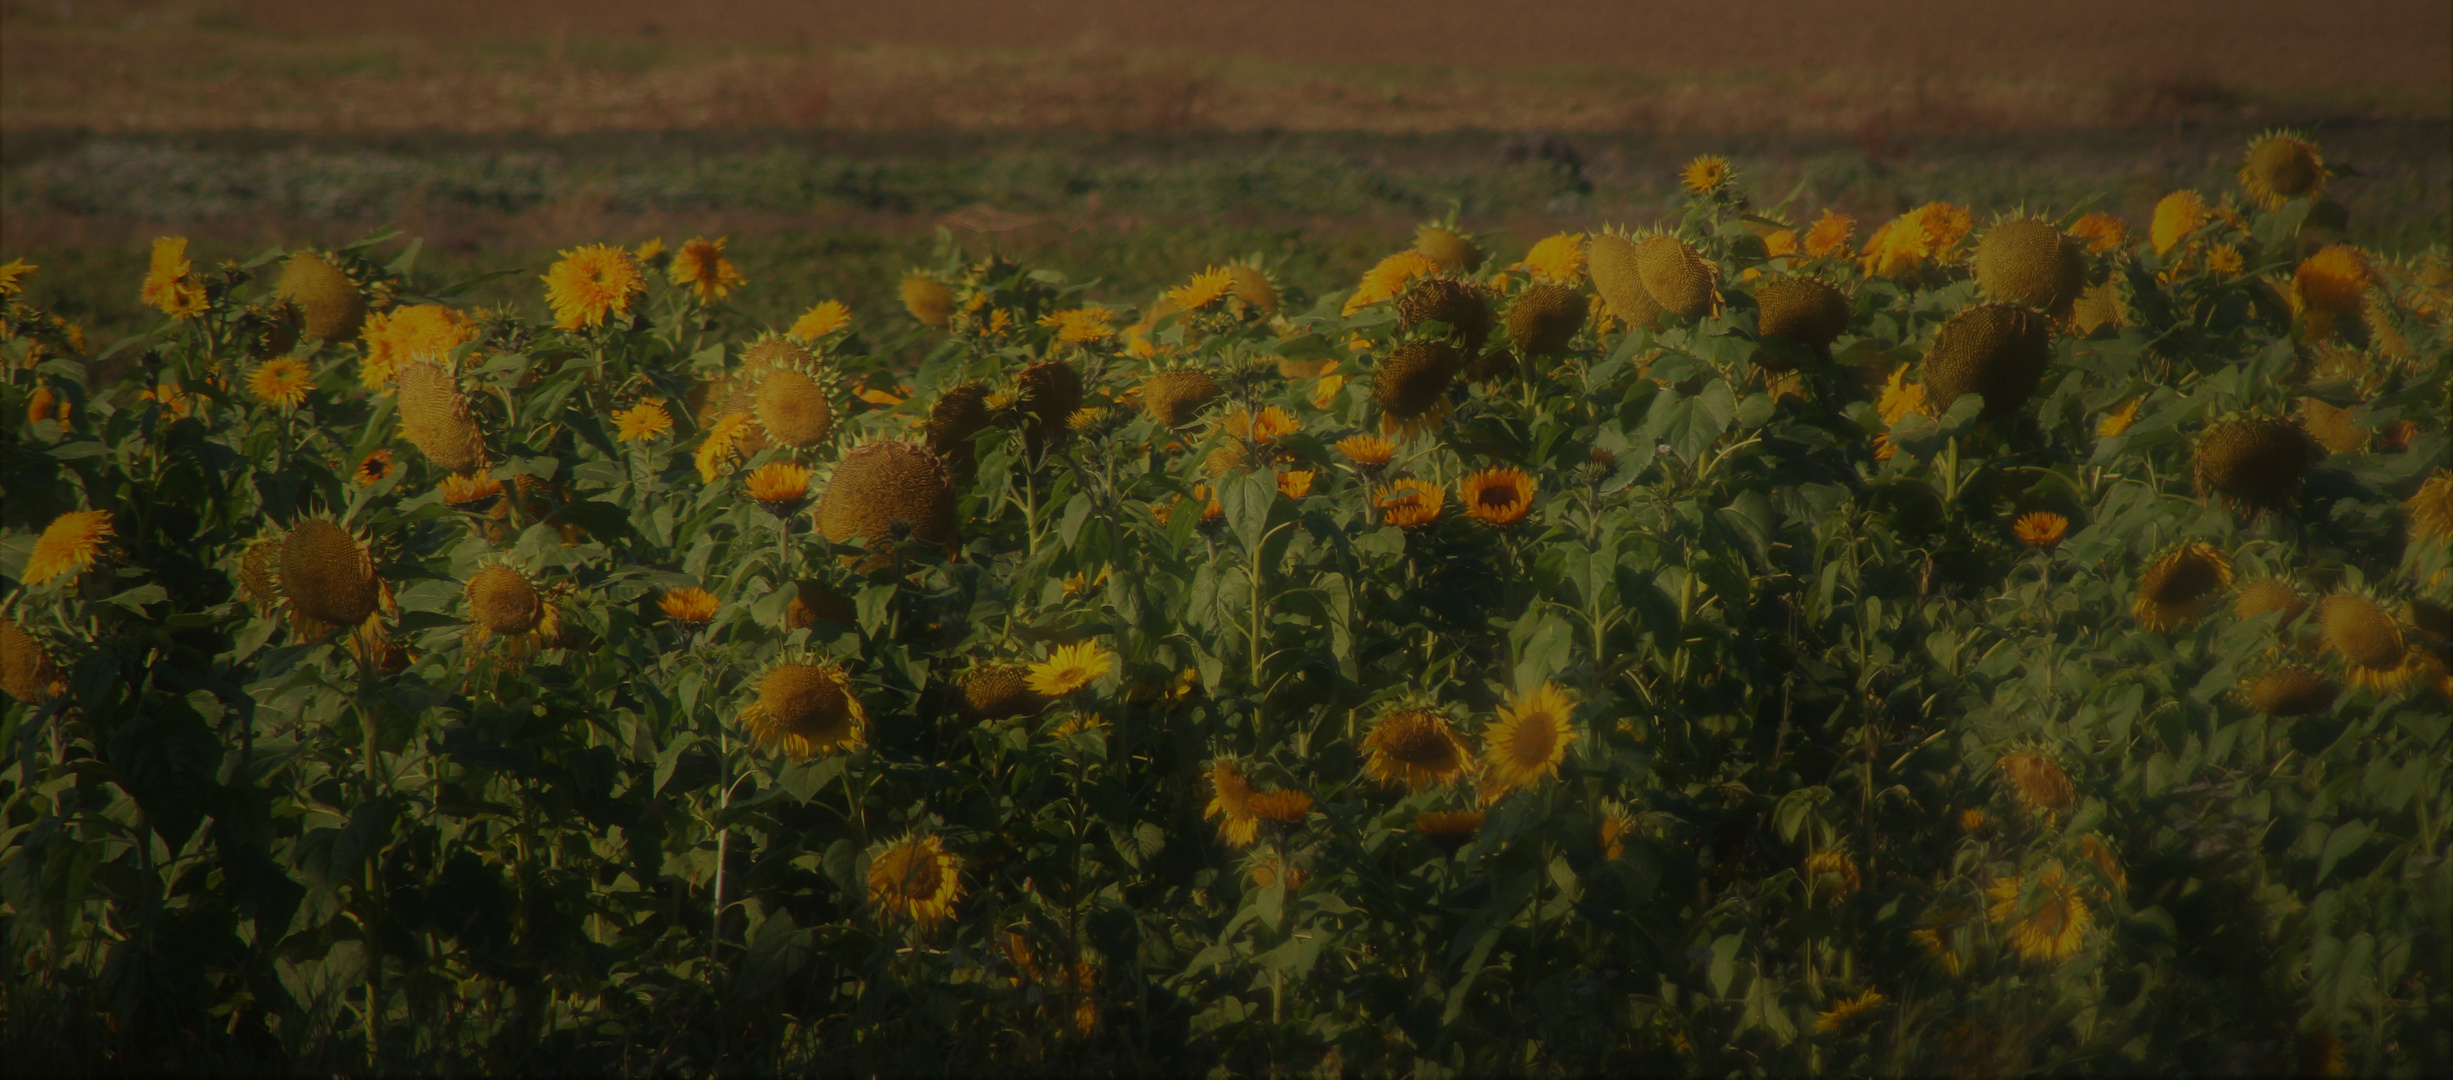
column 1231, row 803
column 471, row 493
column 1070, row 668
column 2334, row 281
column 916, row 878
column 68, row 546
column 1207, row 287
column 2103, row 233
column 2118, row 420
column 1616, row 826
column 1530, row 738
column 2177, row 215
column 822, row 319
column 643, row 421
column 1901, row 399
column 2037, row 782
column 2042, row 529
column 701, row 265
column 2180, row 585
column 1926, row 236
column 2281, row 167
column 1831, row 872
column 2431, row 509
column 1369, row 453
column 392, row 338
column 1082, row 326
column 282, row 383
column 1416, row 748
column 1830, row 234
column 1390, row 277
column 1294, row 483
column 170, row 282
column 1558, row 257
column 1848, row 1011
column 1498, row 498
column 1705, row 174
column 778, row 485
column 1450, row 829
column 805, row 709
column 1410, row 503
column 13, row 275
column 2054, row 929
column 592, row 284
column 688, row 605
column 724, row 445
column 374, row 467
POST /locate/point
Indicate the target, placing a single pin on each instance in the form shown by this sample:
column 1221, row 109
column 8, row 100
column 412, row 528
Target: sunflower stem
column 723, row 843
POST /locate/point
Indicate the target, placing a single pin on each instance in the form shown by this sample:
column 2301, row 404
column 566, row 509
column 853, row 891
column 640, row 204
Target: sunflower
column 2099, row 852
column 389, row 339
column 778, row 485
column 701, row 265
column 1082, row 326
column 2042, row 529
column 2431, row 509
column 2334, row 281
column 281, row 383
column 2177, row 215
column 724, row 445
column 805, row 709
column 1705, row 175
column 916, row 878
column 1070, row 668
column 13, row 276
column 1416, row 748
column 1558, row 257
column 592, row 284
column 1369, row 453
column 1294, row 483
column 1530, row 738
column 1498, row 498
column 643, row 421
column 2281, row 167
column 1324, row 393
column 1205, row 288
column 1616, row 826
column 170, row 282
column 689, row 605
column 2037, row 782
column 1230, row 802
column 1974, row 820
column 2104, row 233
column 2180, row 585
column 2118, row 420
column 1286, row 805
column 823, row 318
column 2054, row 929
column 1272, row 424
column 1410, row 504
column 1926, row 236
column 1848, row 1011
column 1831, row 872
column 1901, row 399
column 471, row 493
column 68, row 546
column 1937, row 937
column 1384, row 281
column 374, row 467
column 1450, row 829
column 1830, row 234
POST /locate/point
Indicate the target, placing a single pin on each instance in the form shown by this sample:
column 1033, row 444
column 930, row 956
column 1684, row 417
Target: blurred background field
column 1129, row 142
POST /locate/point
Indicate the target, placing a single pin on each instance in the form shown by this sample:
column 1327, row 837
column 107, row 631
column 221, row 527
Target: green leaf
column 2345, row 839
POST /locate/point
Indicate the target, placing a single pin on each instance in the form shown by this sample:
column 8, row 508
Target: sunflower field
column 1756, row 642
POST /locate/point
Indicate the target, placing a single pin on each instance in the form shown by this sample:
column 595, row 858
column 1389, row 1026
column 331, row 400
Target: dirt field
column 1666, row 66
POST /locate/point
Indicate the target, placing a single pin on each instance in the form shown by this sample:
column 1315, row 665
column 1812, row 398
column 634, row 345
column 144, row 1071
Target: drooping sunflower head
column 1175, row 397
column 1451, row 830
column 2049, row 924
column 1413, row 380
column 2281, row 167
column 916, row 879
column 1997, row 350
column 882, row 483
column 806, row 709
column 2181, row 585
column 2102, row 233
column 779, row 486
column 1831, row 873
column 27, row 672
column 1497, row 497
column 592, row 285
column 259, row 571
column 1446, row 300
column 2290, row 690
column 1706, row 174
column 1803, row 310
column 68, row 546
column 2364, row 634
column 1618, row 278
column 1070, row 668
column 502, row 602
column 2269, row 594
column 1530, row 738
column 474, row 494
column 2037, row 782
column 327, row 576
column 329, row 304
column 999, row 691
column 1677, row 277
column 2332, row 427
column 1417, row 748
column 1545, row 318
column 1453, row 251
column 436, row 417
column 1846, row 1012
column 2431, row 509
column 1410, row 503
column 2254, row 463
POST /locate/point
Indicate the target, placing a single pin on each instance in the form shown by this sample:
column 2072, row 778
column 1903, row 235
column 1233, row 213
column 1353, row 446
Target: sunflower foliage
column 1622, row 659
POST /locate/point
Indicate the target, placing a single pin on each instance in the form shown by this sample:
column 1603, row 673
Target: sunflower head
column 643, row 421
column 2254, row 463
column 1997, row 350
column 1803, row 310
column 2042, row 530
column 68, row 546
column 435, row 415
column 593, row 285
column 1497, row 497
column 281, row 383
column 1676, row 276
column 2291, row 690
column 2181, row 585
column 779, row 486
column 928, row 299
column 1530, row 738
column 1000, row 692
column 916, row 879
column 692, row 605
column 327, row 576
column 1414, row 379
column 1621, row 284
column 1370, row 453
column 1409, row 503
column 2269, row 594
column 1707, row 174
column 701, row 265
column 2101, row 233
column 2049, row 923
column 502, row 602
column 2431, row 509
column 2037, row 781
column 1384, row 281
column 1176, row 397
column 1558, row 258
column 822, row 318
column 2363, row 633
column 1545, row 318
column 1446, row 300
column 1416, row 748
column 881, row 483
column 814, row 602
column 329, row 304
column 2281, row 167
column 2027, row 261
column 1452, row 251
column 1070, row 668
column 26, row 669
column 2177, row 215
column 804, row 710
column 2334, row 281
column 793, row 409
